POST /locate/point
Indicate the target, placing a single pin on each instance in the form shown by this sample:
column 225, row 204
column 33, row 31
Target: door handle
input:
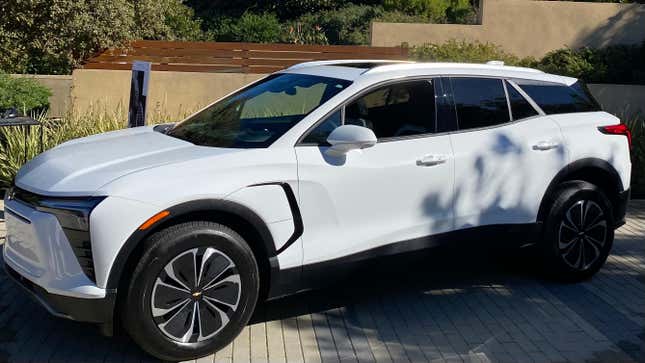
column 545, row 145
column 431, row 160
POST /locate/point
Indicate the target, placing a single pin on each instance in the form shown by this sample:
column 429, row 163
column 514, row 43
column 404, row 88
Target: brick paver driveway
column 461, row 304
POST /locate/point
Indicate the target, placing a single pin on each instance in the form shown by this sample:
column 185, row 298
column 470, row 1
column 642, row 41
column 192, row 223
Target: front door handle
column 545, row 145
column 431, row 160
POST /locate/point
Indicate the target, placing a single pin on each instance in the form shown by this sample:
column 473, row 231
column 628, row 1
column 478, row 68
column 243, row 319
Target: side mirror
column 350, row 137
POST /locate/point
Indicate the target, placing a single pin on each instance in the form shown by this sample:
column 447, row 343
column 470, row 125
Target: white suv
column 177, row 230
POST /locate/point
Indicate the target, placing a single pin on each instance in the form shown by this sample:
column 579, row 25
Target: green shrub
column 250, row 27
column 347, row 25
column 26, row 94
column 614, row 64
column 438, row 11
column 460, row 51
column 54, row 37
column 299, row 33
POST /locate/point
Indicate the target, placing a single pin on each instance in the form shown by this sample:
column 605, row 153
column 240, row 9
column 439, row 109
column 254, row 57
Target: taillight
column 620, row 129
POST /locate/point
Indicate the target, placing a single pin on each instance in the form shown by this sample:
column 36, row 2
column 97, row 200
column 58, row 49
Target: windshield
column 259, row 114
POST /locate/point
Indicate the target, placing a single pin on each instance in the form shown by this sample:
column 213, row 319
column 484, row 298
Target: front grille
column 79, row 240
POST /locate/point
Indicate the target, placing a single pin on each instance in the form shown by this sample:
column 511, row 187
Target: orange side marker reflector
column 154, row 219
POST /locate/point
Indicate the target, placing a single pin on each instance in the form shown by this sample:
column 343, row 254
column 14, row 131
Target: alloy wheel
column 195, row 295
column 582, row 234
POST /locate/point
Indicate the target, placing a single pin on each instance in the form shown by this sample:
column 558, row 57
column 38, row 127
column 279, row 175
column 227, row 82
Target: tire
column 575, row 245
column 174, row 315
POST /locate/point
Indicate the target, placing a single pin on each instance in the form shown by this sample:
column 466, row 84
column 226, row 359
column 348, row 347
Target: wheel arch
column 232, row 214
column 593, row 170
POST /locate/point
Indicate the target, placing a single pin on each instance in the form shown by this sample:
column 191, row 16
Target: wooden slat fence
column 232, row 57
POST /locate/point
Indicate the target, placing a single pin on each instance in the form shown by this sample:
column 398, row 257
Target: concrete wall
column 61, row 87
column 529, row 28
column 174, row 95
column 622, row 100
column 170, row 95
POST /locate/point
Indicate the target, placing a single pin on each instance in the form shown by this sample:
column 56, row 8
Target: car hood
column 82, row 166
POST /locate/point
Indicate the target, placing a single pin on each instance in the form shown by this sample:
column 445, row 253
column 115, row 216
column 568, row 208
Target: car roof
column 377, row 70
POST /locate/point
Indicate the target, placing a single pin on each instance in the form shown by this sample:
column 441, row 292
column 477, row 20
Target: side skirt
column 321, row 274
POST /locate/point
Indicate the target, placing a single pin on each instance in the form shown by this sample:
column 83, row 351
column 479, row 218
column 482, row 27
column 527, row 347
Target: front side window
column 480, row 102
column 556, row 98
column 259, row 114
column 397, row 110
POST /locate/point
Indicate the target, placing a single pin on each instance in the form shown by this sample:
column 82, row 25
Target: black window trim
column 435, row 77
column 535, row 105
column 526, row 97
column 362, row 93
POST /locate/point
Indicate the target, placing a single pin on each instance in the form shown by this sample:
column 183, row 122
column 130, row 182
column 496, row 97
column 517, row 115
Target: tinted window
column 480, row 102
column 259, row 114
column 556, row 98
column 319, row 135
column 520, row 107
column 402, row 109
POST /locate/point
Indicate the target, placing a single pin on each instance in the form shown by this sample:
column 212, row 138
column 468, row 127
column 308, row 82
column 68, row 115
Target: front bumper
column 79, row 309
column 39, row 257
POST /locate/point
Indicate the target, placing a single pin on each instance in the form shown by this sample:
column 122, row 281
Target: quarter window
column 319, row 135
column 480, row 102
column 520, row 107
column 556, row 98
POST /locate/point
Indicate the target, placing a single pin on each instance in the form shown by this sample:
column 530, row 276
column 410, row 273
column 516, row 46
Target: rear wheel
column 192, row 292
column 579, row 232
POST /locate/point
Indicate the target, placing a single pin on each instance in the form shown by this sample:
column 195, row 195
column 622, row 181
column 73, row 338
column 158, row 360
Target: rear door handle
column 545, row 145
column 431, row 160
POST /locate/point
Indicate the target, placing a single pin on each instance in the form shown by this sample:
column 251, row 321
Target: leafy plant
column 299, row 33
column 347, row 25
column 614, row 64
column 26, row 94
column 250, row 27
column 461, row 51
column 54, row 37
column 438, row 11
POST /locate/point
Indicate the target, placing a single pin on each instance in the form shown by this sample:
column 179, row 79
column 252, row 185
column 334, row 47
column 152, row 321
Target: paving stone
column 481, row 313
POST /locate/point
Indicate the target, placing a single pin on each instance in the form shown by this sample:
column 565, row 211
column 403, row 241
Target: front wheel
column 579, row 232
column 192, row 292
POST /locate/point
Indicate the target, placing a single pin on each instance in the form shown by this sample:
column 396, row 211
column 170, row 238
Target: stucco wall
column 61, row 87
column 170, row 94
column 176, row 94
column 626, row 101
column 529, row 28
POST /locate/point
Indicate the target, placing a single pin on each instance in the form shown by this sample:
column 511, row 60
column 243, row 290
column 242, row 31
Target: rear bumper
column 620, row 207
column 86, row 310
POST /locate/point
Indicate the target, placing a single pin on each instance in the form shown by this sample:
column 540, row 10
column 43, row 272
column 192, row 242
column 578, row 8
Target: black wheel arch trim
column 215, row 205
column 570, row 170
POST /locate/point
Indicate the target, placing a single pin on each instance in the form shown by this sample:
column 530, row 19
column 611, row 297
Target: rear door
column 380, row 199
column 506, row 153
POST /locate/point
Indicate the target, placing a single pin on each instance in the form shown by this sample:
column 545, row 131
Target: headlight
column 72, row 213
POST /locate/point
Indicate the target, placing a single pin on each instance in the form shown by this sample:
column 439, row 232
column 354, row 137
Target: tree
column 54, row 36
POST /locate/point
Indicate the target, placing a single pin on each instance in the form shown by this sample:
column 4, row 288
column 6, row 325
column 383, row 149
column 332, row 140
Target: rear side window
column 480, row 102
column 556, row 98
column 520, row 107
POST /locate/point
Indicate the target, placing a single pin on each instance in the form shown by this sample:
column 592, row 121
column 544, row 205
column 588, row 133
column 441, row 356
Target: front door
column 376, row 200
